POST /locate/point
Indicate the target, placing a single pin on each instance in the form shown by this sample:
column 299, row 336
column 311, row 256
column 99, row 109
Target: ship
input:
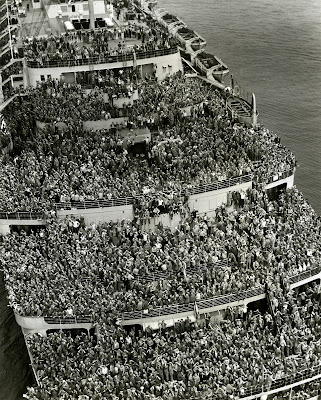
column 104, row 299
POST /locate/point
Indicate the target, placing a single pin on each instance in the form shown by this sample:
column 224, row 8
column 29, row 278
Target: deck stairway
column 241, row 107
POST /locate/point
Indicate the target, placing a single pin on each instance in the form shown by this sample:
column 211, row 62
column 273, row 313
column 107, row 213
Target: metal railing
column 241, row 92
column 285, row 383
column 279, row 176
column 88, row 204
column 12, row 61
column 124, row 201
column 304, row 275
column 229, row 298
column 200, row 304
column 156, row 276
column 219, row 185
column 19, row 215
column 63, row 320
column 287, row 380
column 32, row 364
column 8, row 29
column 159, row 311
column 102, row 60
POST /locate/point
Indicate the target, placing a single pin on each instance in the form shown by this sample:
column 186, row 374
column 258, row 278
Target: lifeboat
column 189, row 39
column 210, row 66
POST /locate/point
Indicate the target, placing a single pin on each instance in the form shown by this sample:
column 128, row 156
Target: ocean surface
column 15, row 373
column 273, row 49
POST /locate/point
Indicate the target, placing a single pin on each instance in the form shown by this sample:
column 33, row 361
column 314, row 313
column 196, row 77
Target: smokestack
column 91, row 14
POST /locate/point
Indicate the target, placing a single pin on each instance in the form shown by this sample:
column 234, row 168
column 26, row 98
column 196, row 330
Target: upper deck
column 58, row 40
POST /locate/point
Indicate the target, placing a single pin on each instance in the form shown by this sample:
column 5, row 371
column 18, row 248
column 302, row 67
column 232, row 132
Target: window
column 42, row 78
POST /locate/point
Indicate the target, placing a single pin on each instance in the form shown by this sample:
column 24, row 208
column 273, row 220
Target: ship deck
column 36, row 22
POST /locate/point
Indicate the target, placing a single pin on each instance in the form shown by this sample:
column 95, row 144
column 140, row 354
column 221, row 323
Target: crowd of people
column 206, row 359
column 5, row 141
column 116, row 83
column 192, row 144
column 82, row 44
column 101, row 269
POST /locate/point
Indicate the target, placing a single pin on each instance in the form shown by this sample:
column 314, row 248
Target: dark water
column 273, row 49
column 15, row 373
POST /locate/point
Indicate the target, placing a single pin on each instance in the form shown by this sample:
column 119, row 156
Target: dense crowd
column 90, row 267
column 193, row 143
column 202, row 360
column 70, row 269
column 97, row 44
column 301, row 392
column 117, row 84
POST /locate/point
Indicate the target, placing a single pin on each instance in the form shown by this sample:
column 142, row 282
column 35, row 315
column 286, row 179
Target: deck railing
column 124, row 201
column 301, row 375
column 63, row 320
column 73, row 62
column 20, row 215
column 279, row 176
column 304, row 275
column 156, row 276
column 199, row 304
column 285, row 383
column 88, row 204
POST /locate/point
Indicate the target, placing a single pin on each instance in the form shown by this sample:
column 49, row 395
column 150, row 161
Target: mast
column 91, row 14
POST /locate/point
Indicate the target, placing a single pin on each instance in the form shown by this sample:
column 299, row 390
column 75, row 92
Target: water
column 274, row 50
column 15, row 373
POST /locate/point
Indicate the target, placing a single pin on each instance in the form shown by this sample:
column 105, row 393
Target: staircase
column 241, row 109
